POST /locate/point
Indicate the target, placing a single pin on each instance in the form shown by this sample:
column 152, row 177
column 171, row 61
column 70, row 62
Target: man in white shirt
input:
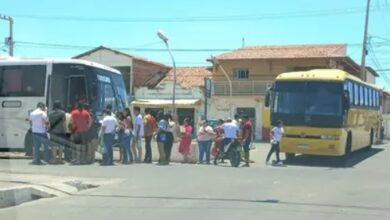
column 39, row 122
column 231, row 131
column 138, row 133
column 276, row 137
column 109, row 124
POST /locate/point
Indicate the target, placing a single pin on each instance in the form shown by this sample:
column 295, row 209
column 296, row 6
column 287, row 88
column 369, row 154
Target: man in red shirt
column 247, row 132
column 81, row 122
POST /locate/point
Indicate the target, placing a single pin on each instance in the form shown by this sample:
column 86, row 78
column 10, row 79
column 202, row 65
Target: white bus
column 25, row 82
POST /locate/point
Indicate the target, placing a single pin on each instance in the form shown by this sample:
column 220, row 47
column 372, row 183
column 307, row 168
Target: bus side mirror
column 267, row 99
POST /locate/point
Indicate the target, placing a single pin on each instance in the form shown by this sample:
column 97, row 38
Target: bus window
column 375, row 99
column 365, row 96
column 351, row 93
column 361, row 95
column 120, row 91
column 370, row 97
column 356, row 94
column 23, row 81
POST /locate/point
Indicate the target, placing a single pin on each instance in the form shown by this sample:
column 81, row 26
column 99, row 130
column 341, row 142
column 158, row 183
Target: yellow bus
column 325, row 112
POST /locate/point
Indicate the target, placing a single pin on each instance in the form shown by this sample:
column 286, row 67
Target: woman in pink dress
column 186, row 139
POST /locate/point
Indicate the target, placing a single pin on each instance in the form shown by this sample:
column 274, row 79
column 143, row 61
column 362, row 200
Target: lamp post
column 162, row 35
column 215, row 62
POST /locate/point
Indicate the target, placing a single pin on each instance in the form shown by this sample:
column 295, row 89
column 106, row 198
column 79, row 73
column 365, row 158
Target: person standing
column 218, row 139
column 150, row 128
column 205, row 136
column 81, row 122
column 171, row 130
column 247, row 131
column 125, row 135
column 276, row 137
column 109, row 124
column 186, row 139
column 138, row 133
column 68, row 132
column 57, row 122
column 92, row 137
column 38, row 122
column 161, row 138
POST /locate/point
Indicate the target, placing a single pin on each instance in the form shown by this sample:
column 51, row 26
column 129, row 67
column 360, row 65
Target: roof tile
column 286, row 51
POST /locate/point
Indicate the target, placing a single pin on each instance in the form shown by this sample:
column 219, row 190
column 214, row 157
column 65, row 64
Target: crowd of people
column 76, row 135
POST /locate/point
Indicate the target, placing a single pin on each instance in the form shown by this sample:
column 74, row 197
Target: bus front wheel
column 348, row 149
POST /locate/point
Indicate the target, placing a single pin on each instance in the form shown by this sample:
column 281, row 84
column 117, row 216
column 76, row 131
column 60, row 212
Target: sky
column 131, row 26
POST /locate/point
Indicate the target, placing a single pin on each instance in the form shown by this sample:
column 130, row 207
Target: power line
column 377, row 63
column 84, row 47
column 290, row 15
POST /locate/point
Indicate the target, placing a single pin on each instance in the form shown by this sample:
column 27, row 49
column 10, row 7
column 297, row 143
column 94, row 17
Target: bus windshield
column 309, row 102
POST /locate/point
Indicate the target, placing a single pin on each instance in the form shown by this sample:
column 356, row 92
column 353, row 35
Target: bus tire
column 371, row 140
column 290, row 157
column 28, row 143
column 348, row 149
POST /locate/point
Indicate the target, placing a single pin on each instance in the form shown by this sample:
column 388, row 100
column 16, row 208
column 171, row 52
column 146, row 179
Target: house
column 253, row 69
column 190, row 95
column 135, row 70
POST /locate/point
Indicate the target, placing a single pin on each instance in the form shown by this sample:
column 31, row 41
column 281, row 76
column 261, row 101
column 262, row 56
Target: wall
column 114, row 60
column 164, row 91
column 371, row 78
column 220, row 108
column 108, row 58
column 267, row 69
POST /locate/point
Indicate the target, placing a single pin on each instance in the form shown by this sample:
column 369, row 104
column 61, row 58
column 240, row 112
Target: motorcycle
column 231, row 152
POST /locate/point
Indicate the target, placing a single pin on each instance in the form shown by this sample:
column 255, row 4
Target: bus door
column 77, row 90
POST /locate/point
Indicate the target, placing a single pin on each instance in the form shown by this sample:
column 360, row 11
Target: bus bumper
column 312, row 146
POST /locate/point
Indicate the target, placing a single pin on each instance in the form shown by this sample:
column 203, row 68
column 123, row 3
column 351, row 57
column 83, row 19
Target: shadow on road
column 268, row 201
column 329, row 161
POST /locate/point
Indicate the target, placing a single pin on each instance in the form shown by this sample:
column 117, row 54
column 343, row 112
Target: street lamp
column 162, row 35
column 215, row 62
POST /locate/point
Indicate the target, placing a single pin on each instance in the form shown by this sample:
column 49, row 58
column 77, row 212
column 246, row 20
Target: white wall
column 219, row 108
column 371, row 78
column 108, row 58
column 164, row 91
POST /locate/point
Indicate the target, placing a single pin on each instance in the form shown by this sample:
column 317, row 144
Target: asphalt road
column 310, row 188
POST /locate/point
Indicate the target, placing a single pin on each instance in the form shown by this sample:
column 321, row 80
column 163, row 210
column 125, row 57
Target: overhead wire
column 298, row 14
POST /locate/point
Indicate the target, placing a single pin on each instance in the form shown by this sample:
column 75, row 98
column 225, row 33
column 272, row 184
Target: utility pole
column 364, row 50
column 9, row 40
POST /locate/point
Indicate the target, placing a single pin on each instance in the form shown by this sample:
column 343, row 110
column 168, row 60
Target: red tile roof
column 286, row 51
column 188, row 77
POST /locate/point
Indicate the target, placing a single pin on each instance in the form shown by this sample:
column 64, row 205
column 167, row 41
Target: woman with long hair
column 125, row 134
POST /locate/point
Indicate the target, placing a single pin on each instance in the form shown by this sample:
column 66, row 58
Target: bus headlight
column 329, row 137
